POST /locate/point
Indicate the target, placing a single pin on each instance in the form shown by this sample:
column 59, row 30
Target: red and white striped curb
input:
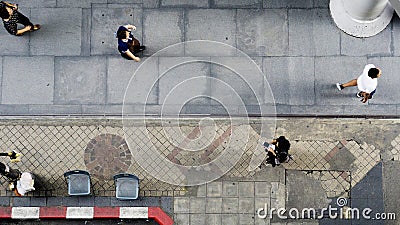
column 25, row 213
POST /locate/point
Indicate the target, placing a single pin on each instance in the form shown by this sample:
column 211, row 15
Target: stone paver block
column 170, row 24
column 183, row 75
column 230, row 219
column 201, row 190
column 105, row 21
column 246, row 205
column 60, row 34
column 262, row 189
column 245, row 219
column 312, row 32
column 214, row 189
column 287, row 86
column 396, row 35
column 230, row 205
column 197, row 219
column 20, row 201
column 185, row 3
column 33, row 78
column 332, row 70
column 213, row 219
column 36, row 3
column 238, row 3
column 140, row 91
column 55, row 109
column 38, row 201
column 78, row 3
column 197, row 205
column 386, row 92
column 12, row 41
column 75, row 84
column 263, row 32
column 181, row 205
column 223, row 30
column 238, row 81
column 214, row 205
column 181, row 219
column 379, row 44
column 4, row 201
column 288, row 3
column 229, row 189
column 246, row 189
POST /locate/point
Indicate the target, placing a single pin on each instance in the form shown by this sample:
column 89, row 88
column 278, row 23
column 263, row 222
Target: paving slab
column 183, row 75
column 287, row 85
column 75, row 84
column 78, row 3
column 379, row 44
column 229, row 219
column 60, row 34
column 170, row 23
column 215, row 219
column 37, row 3
column 185, row 3
column 230, row 205
column 197, row 205
column 246, row 189
column 214, row 205
column 229, row 189
column 312, row 32
column 181, row 219
column 223, row 29
column 120, row 72
column 263, row 32
column 55, row 109
column 105, row 21
column 240, row 76
column 287, row 4
column 33, row 78
column 332, row 70
column 13, row 41
column 237, row 3
column 396, row 35
column 197, row 219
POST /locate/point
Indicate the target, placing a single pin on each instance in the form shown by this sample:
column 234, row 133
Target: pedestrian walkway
column 72, row 67
column 328, row 163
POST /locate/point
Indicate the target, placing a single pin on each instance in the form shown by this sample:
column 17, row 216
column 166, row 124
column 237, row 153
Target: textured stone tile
column 223, row 30
column 287, row 86
column 312, row 32
column 21, row 201
column 181, row 205
column 183, row 75
column 245, row 219
column 213, row 219
column 181, row 219
column 33, row 78
column 246, row 205
column 78, row 3
column 185, row 3
column 197, row 205
column 54, row 109
column 263, row 32
column 321, row 3
column 197, row 219
column 75, row 84
column 238, row 81
column 246, row 189
column 36, row 3
column 169, row 23
column 262, row 189
column 214, row 189
column 60, row 34
column 332, row 70
column 230, row 205
column 214, row 205
column 12, row 41
column 238, row 3
column 379, row 44
column 230, row 219
column 140, row 89
column 288, row 3
column 229, row 189
column 396, row 35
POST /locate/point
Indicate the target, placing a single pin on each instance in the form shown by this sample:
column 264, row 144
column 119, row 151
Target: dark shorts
column 372, row 93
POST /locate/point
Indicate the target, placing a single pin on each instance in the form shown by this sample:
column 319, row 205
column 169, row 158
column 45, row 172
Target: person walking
column 11, row 16
column 278, row 151
column 366, row 82
column 128, row 46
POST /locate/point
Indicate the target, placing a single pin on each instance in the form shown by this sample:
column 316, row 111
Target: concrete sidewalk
column 355, row 164
column 71, row 66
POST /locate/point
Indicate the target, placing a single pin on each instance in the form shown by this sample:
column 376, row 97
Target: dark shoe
column 35, row 27
column 359, row 94
column 142, row 48
column 339, row 86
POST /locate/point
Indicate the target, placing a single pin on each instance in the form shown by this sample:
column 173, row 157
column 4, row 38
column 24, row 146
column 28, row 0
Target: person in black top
column 128, row 46
column 278, row 151
column 10, row 15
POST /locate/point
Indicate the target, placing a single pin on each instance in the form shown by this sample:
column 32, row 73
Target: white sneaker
column 339, row 86
column 359, row 94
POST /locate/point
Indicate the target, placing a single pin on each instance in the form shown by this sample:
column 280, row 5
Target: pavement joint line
column 27, row 213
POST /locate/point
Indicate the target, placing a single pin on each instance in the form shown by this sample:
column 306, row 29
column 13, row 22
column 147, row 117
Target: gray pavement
column 71, row 66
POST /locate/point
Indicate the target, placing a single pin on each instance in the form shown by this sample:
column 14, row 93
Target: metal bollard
column 361, row 18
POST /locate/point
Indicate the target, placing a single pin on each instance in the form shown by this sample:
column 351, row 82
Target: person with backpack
column 278, row 151
column 128, row 46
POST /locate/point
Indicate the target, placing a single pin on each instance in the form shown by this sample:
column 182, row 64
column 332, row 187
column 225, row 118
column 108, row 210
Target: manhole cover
column 106, row 155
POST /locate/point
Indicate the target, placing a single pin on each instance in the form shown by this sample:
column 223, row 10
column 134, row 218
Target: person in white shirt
column 366, row 82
